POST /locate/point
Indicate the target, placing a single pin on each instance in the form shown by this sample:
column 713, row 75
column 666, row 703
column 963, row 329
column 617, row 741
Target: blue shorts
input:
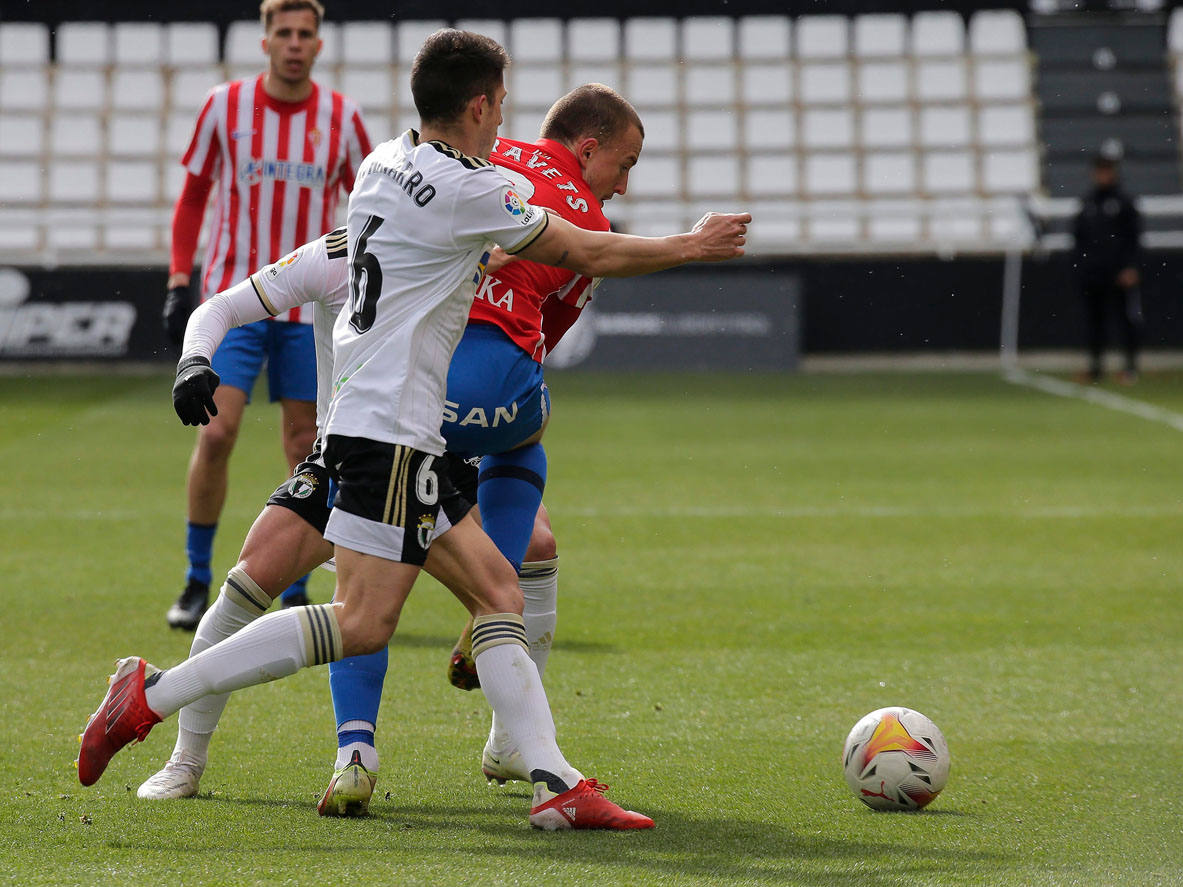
column 288, row 350
column 496, row 395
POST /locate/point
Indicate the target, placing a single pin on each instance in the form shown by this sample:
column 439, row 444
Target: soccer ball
column 895, row 759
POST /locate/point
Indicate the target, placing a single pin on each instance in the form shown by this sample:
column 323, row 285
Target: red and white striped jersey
column 278, row 169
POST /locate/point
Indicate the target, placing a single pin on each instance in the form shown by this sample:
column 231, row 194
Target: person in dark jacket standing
column 1107, row 231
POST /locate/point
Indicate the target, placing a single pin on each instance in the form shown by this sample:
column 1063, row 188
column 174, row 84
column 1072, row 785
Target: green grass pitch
column 749, row 564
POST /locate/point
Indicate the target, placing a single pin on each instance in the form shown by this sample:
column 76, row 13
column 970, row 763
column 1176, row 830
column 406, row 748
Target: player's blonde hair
column 592, row 110
column 268, row 8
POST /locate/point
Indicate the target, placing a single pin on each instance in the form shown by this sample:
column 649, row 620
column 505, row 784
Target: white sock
column 365, row 751
column 275, row 646
column 240, row 603
column 512, row 686
column 540, row 589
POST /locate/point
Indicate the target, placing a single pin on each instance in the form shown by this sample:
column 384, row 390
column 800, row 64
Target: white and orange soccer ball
column 895, row 759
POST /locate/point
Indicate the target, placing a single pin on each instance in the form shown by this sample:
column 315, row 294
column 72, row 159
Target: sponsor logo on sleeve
column 290, row 259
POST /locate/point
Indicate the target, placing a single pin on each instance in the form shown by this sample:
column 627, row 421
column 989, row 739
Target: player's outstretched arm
column 716, row 238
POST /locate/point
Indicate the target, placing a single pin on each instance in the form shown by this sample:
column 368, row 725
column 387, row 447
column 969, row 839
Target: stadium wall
column 753, row 316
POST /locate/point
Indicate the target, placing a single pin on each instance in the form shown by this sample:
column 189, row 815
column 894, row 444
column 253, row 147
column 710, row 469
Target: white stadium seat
column 766, row 37
column 711, row 85
column 939, row 80
column 1006, row 125
column 834, row 221
column 826, row 83
column 1002, row 79
column 889, row 173
column 81, row 88
column 771, row 128
column 827, row 128
column 948, row 172
column 178, row 130
column 830, row 174
column 886, row 127
column 657, row 176
column 526, row 124
column 893, row 221
column 244, row 44
column 944, row 126
column 409, row 36
column 713, row 176
column 663, row 132
column 132, row 181
column 652, row 85
column 770, row 175
column 371, row 87
column 138, row 90
column 189, row 86
column 607, row 72
column 956, row 219
column 139, row 44
column 191, row 43
column 999, row 32
column 490, row 27
column 822, row 37
column 650, row 39
column 23, row 43
column 1005, row 172
column 766, row 83
column 134, row 135
column 883, row 82
column 74, row 180
column 707, row 39
column 534, row 85
column 937, row 33
column 21, row 181
column 593, row 40
column 77, row 135
column 84, row 43
column 74, row 235
column 880, row 35
column 331, row 49
column 712, row 130
column 536, row 40
column 21, row 135
column 174, row 178
column 24, row 89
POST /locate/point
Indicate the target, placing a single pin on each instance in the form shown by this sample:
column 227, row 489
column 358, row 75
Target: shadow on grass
column 429, row 641
column 747, row 849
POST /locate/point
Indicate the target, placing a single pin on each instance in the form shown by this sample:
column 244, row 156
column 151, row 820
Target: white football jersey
column 422, row 218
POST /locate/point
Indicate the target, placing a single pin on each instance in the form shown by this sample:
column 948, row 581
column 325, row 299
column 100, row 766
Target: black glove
column 178, row 305
column 193, row 392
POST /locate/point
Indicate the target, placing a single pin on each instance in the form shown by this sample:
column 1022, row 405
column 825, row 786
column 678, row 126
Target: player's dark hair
column 268, row 9
column 593, row 110
column 453, row 67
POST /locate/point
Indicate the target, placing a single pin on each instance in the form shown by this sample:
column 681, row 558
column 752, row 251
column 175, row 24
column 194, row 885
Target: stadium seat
column 650, row 39
column 708, row 39
column 956, row 220
column 527, row 123
column 188, row 87
column 947, row 172
column 836, row 221
column 997, row 32
column 134, row 135
column 178, row 130
column 593, row 40
column 84, row 89
column 880, row 35
column 713, row 176
column 534, row 85
column 824, row 128
column 379, row 127
column 825, row 83
column 764, row 37
column 709, row 85
column 712, row 130
column 137, row 89
column 883, row 82
column 1009, row 172
column 75, row 235
column 139, row 44
column 24, row 89
column 893, row 222
column 371, row 87
column 889, row 173
column 84, row 44
column 1002, row 79
column 886, row 127
column 409, row 36
column 652, row 85
column 944, row 126
column 769, row 128
column 490, row 27
column 1006, row 125
column 663, row 132
column 662, row 177
column 536, row 41
column 191, row 44
column 822, row 37
column 76, row 135
column 606, row 72
column 766, row 83
column 773, row 175
column 937, row 33
column 132, row 181
column 21, row 181
column 939, row 80
column 23, row 44
column 131, row 234
column 74, row 180
column 243, row 44
column 174, row 178
column 331, row 50
column 831, row 173
column 21, row 135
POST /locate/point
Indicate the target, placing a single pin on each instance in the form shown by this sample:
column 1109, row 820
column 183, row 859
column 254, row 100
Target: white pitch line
column 1099, row 396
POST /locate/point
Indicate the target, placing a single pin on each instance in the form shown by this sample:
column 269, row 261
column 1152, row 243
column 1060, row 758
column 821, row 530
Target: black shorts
column 463, row 473
column 392, row 500
column 306, row 492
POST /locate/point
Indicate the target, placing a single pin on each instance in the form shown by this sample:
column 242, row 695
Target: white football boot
column 176, row 779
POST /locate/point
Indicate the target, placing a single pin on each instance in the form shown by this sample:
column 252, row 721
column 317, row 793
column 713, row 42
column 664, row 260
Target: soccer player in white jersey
column 277, row 151
column 421, row 220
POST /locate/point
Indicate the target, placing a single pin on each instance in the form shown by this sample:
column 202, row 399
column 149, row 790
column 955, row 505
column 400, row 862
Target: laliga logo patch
column 514, row 205
column 273, row 271
column 302, row 486
column 425, row 529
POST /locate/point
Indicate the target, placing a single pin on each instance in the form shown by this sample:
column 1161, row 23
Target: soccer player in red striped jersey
column 277, row 151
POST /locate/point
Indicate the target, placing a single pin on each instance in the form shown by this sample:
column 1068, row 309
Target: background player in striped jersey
column 278, row 151
column 498, row 406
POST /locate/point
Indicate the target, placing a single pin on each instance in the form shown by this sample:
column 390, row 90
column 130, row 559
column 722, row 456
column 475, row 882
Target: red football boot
column 582, row 807
column 123, row 717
